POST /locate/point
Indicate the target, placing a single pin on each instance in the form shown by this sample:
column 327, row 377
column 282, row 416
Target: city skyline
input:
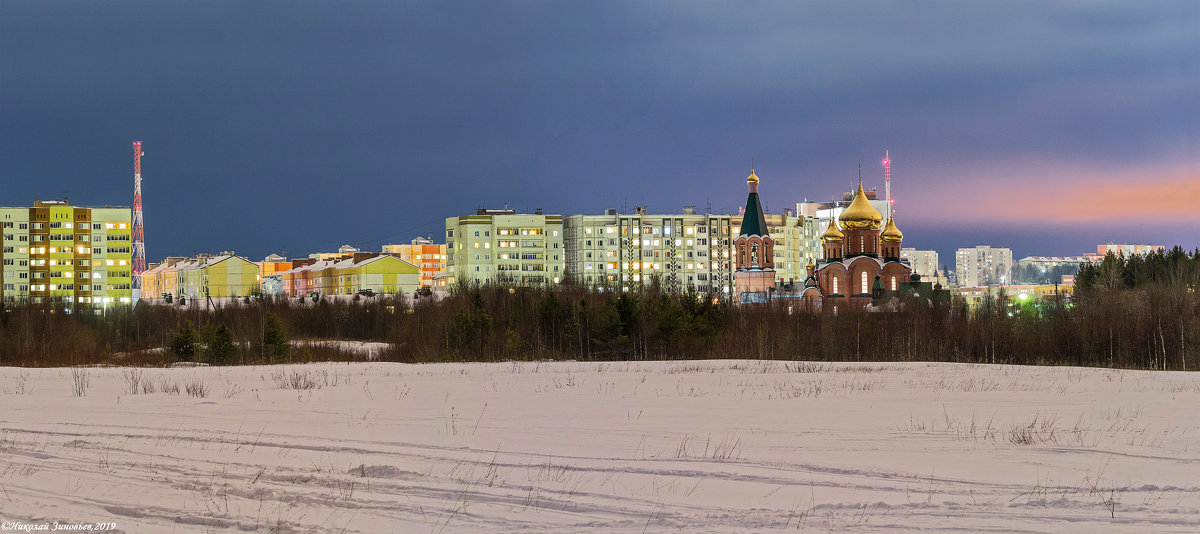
column 1047, row 130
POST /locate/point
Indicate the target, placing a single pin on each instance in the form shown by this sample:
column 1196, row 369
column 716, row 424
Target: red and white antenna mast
column 887, row 180
column 139, row 232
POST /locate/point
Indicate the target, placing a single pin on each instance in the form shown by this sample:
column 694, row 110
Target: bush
column 183, row 342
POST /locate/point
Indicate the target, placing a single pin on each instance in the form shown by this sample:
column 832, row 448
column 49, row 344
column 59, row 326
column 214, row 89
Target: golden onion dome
column 861, row 214
column 753, row 178
column 832, row 233
column 810, row 265
column 890, row 232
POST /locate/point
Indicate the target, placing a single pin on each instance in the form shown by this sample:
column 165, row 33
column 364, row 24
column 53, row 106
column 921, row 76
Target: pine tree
column 183, row 342
column 219, row 346
column 275, row 338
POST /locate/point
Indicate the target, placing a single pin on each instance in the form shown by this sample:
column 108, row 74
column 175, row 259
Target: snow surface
column 697, row 446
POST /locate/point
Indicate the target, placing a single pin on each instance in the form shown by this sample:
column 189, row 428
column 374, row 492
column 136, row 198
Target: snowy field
column 708, row 446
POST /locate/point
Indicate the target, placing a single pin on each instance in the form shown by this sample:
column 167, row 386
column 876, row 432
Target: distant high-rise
column 923, row 262
column 1124, row 249
column 983, row 266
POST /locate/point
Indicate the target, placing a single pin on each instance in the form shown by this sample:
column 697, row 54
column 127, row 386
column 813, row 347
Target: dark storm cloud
column 300, row 126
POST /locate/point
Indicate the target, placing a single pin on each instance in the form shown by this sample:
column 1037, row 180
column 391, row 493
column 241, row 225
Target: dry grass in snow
column 707, row 446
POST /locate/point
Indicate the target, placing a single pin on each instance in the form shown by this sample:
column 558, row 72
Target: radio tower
column 887, row 181
column 139, row 232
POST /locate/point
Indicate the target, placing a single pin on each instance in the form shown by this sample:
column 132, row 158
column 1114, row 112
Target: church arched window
column 834, row 285
column 865, row 289
column 754, row 254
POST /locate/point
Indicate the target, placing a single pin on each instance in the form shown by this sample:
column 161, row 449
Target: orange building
column 430, row 257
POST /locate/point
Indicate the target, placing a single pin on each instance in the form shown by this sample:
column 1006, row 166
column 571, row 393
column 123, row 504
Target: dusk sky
column 297, row 127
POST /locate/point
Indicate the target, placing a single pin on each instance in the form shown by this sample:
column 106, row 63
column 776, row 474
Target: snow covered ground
column 707, row 446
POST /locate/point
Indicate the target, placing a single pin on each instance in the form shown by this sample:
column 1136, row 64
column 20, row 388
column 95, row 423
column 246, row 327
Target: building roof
column 832, row 233
column 861, row 214
column 753, row 221
column 890, row 232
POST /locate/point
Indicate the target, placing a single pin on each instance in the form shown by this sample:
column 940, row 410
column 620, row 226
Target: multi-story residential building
column 923, row 262
column 424, row 253
column 506, row 247
column 983, row 266
column 686, row 251
column 57, row 253
column 272, row 264
column 360, row 273
column 1126, row 250
column 207, row 276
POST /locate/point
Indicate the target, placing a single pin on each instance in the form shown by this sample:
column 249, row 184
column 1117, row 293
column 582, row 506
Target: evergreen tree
column 219, row 346
column 183, row 342
column 275, row 338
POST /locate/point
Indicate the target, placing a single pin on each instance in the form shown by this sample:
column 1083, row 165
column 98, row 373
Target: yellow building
column 430, row 257
column 221, row 276
column 58, row 253
column 366, row 273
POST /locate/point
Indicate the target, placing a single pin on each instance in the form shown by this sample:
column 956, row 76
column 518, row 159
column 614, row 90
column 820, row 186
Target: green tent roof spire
column 754, row 222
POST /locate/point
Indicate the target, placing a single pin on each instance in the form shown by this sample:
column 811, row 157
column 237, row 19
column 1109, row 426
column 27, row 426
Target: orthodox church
column 755, row 249
column 861, row 258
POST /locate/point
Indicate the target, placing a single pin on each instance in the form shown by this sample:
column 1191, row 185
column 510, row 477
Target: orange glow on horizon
column 1165, row 197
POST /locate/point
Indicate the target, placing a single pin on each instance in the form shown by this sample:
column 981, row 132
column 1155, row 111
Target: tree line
column 1138, row 312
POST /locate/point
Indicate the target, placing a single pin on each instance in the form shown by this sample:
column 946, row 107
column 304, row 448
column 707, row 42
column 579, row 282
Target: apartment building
column 1122, row 249
column 506, row 247
column 359, row 273
column 57, row 253
column 206, row 276
column 923, row 262
column 430, row 257
column 983, row 266
column 686, row 251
